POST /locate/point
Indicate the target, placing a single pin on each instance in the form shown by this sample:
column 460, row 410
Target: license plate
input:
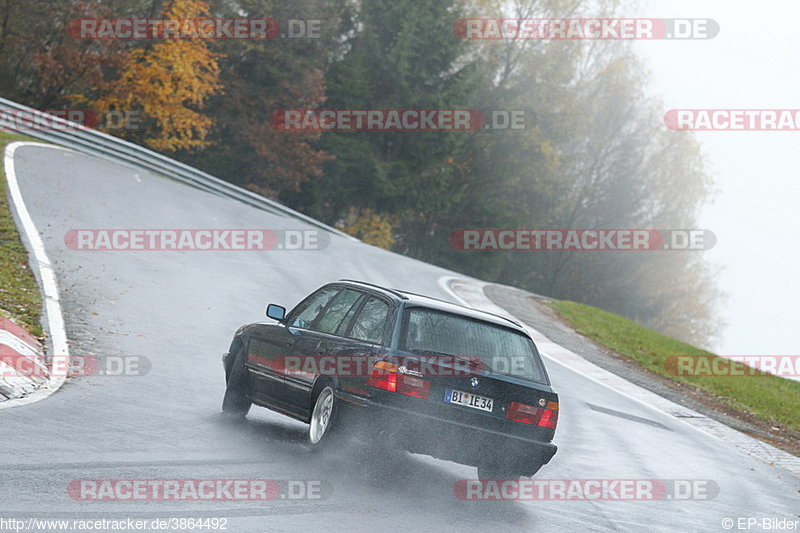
column 469, row 400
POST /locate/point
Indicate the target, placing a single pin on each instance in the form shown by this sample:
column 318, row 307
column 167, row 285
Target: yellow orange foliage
column 371, row 227
column 168, row 83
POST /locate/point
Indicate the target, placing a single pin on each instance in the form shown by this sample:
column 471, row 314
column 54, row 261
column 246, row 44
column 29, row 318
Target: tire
column 236, row 401
column 322, row 428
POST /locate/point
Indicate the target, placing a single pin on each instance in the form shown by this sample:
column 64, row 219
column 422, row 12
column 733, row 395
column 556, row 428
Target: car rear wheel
column 236, row 402
column 323, row 418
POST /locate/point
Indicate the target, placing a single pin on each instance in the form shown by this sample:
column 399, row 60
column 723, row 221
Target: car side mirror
column 276, row 312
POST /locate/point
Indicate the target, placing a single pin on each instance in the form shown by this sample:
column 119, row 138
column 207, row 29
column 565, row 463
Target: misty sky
column 752, row 64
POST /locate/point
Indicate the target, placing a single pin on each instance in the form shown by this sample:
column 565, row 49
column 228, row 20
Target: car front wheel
column 236, row 402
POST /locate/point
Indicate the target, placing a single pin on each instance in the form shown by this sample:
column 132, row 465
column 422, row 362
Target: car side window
column 310, row 309
column 371, row 321
column 337, row 311
column 343, row 325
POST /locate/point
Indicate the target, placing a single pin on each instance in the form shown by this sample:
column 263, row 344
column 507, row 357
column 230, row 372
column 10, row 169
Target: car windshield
column 495, row 348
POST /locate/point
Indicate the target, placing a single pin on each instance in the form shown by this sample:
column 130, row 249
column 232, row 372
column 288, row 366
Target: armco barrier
column 99, row 144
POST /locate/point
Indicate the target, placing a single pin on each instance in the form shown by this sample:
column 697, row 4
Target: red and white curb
column 53, row 316
column 16, row 344
column 470, row 293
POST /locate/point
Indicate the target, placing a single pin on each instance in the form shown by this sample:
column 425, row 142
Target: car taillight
column 385, row 376
column 546, row 417
column 549, row 418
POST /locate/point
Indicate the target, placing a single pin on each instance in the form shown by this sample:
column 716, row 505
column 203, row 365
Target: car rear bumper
column 442, row 438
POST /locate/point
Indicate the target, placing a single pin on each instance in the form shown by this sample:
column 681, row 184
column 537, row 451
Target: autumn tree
column 369, row 227
column 262, row 77
column 45, row 67
column 169, row 83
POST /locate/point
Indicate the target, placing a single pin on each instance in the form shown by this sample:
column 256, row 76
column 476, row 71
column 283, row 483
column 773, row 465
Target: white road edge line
column 47, row 279
column 569, row 359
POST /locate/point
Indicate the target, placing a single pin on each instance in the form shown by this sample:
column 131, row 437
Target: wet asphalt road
column 179, row 310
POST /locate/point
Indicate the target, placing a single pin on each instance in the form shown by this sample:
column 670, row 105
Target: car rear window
column 499, row 349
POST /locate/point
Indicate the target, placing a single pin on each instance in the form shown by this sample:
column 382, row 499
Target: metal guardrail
column 89, row 141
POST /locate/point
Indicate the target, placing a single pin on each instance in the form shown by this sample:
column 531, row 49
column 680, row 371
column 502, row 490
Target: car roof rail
column 516, row 323
column 392, row 291
column 424, row 296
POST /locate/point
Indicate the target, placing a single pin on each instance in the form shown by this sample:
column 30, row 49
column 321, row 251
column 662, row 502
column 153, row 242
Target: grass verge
column 20, row 298
column 768, row 397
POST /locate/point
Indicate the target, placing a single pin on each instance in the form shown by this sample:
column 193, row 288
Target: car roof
column 420, row 300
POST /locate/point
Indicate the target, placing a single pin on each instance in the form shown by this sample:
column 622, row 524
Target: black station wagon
column 403, row 370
